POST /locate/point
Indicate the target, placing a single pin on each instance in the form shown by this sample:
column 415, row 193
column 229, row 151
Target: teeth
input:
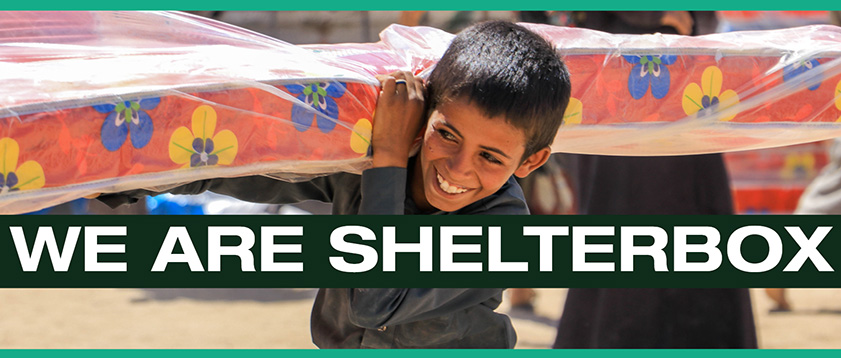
column 447, row 188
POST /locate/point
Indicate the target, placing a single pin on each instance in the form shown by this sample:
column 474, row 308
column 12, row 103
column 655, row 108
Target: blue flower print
column 798, row 68
column 125, row 117
column 204, row 153
column 320, row 96
column 8, row 182
column 649, row 70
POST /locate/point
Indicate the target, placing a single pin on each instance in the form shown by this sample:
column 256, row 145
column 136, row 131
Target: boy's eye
column 446, row 135
column 489, row 157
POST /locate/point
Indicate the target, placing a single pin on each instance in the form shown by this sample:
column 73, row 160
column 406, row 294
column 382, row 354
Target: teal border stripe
column 321, row 5
column 418, row 353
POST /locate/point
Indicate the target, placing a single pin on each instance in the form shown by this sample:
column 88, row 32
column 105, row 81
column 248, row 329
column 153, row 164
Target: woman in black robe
column 686, row 185
column 655, row 317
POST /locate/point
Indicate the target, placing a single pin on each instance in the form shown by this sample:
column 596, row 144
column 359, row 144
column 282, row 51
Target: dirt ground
column 279, row 318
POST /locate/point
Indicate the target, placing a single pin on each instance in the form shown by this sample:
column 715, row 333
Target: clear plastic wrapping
column 672, row 95
column 95, row 102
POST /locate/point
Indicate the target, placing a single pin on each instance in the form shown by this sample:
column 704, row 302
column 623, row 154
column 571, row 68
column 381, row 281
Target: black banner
column 420, row 251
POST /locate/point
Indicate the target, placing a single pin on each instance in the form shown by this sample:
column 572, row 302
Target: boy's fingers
column 401, row 88
column 383, row 78
column 410, row 87
column 388, row 86
column 400, row 75
column 393, row 84
column 420, row 90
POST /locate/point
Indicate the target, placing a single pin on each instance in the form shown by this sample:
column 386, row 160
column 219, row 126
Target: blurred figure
column 778, row 295
column 522, row 299
column 557, row 18
column 457, row 22
column 645, row 22
column 821, row 197
column 548, row 190
column 411, row 18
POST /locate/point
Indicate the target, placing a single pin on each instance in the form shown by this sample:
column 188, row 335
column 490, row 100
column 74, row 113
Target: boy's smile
column 466, row 156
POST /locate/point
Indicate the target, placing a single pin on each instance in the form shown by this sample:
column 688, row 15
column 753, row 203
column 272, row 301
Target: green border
column 415, row 5
column 393, row 6
column 417, row 353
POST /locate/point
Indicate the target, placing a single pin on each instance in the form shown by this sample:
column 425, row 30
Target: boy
column 496, row 100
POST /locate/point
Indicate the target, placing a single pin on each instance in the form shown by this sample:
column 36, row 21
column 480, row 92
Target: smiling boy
column 495, row 100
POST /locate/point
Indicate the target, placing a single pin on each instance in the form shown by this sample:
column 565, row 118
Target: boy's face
column 467, row 156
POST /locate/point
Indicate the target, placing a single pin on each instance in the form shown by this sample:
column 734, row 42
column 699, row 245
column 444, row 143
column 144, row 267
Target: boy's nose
column 460, row 166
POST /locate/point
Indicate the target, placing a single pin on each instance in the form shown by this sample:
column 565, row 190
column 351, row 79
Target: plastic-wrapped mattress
column 109, row 101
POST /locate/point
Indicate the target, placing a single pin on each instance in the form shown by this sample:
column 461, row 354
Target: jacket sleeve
column 256, row 189
column 373, row 308
column 383, row 191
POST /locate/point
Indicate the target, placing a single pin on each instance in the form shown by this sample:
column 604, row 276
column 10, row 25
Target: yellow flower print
column 574, row 111
column 28, row 175
column 360, row 136
column 838, row 98
column 197, row 148
column 798, row 166
column 707, row 98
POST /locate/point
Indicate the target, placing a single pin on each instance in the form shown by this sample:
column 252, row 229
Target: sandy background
column 279, row 318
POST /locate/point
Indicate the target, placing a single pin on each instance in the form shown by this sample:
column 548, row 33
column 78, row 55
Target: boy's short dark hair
column 505, row 69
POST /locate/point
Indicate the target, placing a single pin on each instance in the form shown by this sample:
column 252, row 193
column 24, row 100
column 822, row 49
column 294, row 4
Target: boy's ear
column 533, row 162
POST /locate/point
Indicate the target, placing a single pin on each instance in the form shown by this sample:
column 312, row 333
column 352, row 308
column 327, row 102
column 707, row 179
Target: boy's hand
column 397, row 119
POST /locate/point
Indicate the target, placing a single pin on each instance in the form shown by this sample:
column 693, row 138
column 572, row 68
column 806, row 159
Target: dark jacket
column 381, row 317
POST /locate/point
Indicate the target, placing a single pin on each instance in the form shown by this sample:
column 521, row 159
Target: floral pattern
column 28, row 175
column 800, row 67
column 649, row 71
column 197, row 148
column 574, row 111
column 360, row 136
column 320, row 97
column 838, row 98
column 707, row 99
column 125, row 117
column 798, row 166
